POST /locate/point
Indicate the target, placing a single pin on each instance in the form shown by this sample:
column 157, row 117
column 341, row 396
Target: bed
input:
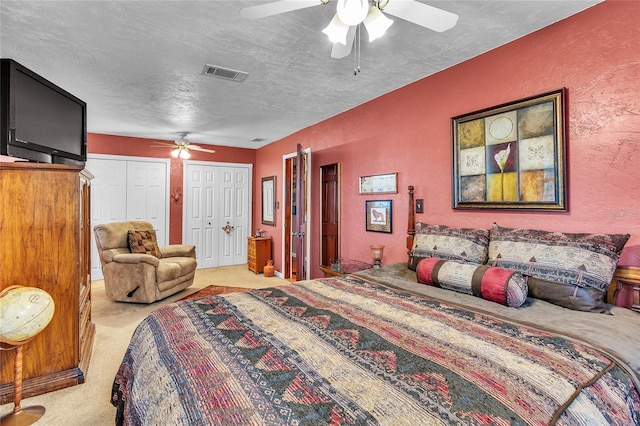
column 395, row 345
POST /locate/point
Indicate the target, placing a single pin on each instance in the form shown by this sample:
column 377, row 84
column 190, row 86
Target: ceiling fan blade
column 276, row 8
column 340, row 50
column 199, row 148
column 158, row 144
column 422, row 14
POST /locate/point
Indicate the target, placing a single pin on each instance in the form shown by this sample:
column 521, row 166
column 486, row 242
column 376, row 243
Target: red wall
column 139, row 147
column 594, row 55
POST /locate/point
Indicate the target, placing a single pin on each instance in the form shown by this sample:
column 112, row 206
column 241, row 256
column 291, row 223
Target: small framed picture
column 378, row 215
column 379, row 184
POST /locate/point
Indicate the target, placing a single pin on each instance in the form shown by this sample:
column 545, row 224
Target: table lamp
column 24, row 312
column 376, row 254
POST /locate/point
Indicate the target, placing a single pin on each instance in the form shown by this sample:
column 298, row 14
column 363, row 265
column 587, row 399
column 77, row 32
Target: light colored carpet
column 88, row 403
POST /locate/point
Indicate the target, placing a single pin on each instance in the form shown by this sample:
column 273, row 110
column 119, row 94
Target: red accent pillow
column 499, row 285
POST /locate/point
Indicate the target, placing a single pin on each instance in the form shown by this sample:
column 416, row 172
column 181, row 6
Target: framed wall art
column 511, row 156
column 379, row 184
column 378, row 215
column 269, row 200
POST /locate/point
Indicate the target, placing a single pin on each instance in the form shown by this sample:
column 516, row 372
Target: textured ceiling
column 138, row 64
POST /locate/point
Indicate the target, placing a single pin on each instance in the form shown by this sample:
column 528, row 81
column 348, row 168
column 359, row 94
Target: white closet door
column 200, row 213
column 108, row 200
column 217, row 196
column 128, row 189
column 146, row 195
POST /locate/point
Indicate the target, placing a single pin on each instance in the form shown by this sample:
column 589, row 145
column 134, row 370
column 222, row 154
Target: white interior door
column 146, row 195
column 234, row 211
column 217, row 212
column 128, row 188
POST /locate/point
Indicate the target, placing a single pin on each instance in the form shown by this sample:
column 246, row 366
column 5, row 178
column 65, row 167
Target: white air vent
column 226, row 73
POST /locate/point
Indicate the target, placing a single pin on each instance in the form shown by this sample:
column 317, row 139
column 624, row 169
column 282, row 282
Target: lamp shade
column 337, row 30
column 376, row 23
column 352, row 12
column 24, row 312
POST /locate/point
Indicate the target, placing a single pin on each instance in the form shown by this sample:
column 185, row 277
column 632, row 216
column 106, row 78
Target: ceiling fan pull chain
column 356, row 55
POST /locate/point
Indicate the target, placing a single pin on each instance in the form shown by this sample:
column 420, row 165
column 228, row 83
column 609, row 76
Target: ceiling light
column 337, row 30
column 376, row 23
column 352, row 12
column 182, row 152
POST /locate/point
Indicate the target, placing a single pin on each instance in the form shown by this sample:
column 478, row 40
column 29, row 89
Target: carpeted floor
column 88, row 403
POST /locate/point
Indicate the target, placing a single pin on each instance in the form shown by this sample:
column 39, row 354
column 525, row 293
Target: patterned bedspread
column 345, row 351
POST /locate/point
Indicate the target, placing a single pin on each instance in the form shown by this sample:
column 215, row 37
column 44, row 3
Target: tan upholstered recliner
column 140, row 277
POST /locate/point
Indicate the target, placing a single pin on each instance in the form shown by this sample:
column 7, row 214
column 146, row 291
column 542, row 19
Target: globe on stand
column 24, row 312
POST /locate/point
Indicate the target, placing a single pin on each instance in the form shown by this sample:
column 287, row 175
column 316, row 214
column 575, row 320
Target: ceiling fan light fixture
column 175, row 153
column 184, row 154
column 376, row 23
column 337, row 30
column 352, row 12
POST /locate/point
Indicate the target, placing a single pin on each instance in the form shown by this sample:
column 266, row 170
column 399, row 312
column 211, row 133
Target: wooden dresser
column 258, row 252
column 45, row 240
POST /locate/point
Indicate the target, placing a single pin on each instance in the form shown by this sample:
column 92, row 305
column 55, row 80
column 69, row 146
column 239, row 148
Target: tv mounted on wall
column 40, row 121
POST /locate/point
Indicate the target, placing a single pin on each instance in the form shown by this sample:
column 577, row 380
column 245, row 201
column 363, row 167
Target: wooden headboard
column 625, row 285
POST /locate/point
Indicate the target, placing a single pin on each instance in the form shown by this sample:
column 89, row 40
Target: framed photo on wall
column 269, row 200
column 378, row 215
column 379, row 184
column 511, row 156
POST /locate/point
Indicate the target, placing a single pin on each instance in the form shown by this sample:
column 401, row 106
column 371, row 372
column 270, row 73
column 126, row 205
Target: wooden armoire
column 45, row 240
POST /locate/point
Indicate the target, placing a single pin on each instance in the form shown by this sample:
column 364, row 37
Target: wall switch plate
column 419, row 205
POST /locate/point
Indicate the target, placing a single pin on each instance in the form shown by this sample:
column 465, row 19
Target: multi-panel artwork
column 511, row 156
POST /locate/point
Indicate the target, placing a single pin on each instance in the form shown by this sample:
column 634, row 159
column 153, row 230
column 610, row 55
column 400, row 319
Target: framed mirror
column 269, row 200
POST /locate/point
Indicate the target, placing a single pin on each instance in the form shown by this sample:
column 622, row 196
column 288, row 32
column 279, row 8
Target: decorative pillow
column 585, row 261
column 569, row 296
column 464, row 244
column 498, row 285
column 144, row 242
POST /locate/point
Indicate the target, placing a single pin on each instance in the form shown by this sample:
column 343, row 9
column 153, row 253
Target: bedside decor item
column 376, row 254
column 379, row 184
column 24, row 312
column 511, row 156
column 378, row 215
column 269, row 200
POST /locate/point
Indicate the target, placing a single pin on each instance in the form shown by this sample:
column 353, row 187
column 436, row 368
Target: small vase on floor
column 269, row 269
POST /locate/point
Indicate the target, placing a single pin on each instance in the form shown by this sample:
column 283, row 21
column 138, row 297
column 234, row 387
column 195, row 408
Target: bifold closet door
column 128, row 189
column 216, row 217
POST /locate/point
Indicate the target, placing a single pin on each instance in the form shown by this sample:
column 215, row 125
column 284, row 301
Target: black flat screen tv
column 40, row 121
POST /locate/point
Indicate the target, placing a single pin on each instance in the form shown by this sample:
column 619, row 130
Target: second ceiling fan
column 350, row 13
column 182, row 146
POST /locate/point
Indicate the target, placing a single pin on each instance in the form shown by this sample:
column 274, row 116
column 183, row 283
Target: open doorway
column 295, row 230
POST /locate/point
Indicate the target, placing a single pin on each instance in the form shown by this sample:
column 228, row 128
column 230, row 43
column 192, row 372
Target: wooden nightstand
column 625, row 288
column 258, row 252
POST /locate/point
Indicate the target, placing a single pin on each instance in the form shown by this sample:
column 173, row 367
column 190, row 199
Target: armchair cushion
column 143, row 241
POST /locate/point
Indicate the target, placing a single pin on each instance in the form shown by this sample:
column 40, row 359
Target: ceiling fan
column 350, row 13
column 182, row 146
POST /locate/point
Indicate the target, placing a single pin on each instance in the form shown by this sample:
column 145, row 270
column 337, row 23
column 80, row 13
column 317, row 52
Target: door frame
column 307, row 231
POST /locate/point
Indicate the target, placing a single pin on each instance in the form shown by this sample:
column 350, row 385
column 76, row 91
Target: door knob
column 227, row 228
